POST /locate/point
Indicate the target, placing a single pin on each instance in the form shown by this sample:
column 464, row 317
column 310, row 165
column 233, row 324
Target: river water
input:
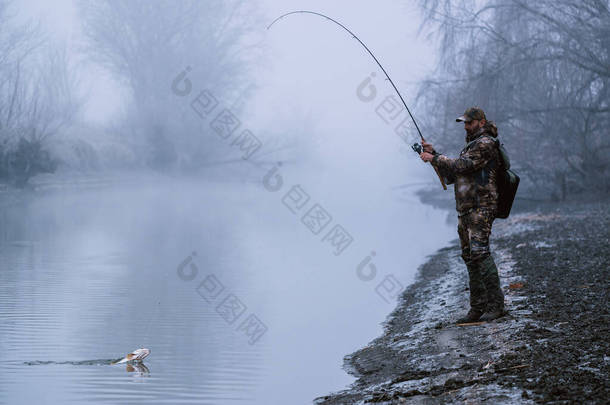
column 239, row 298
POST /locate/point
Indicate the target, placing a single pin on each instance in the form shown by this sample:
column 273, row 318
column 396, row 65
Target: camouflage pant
column 474, row 229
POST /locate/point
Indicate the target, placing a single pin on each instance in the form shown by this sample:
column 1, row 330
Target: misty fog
column 242, row 201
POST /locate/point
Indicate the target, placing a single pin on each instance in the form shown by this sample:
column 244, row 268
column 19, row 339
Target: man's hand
column 427, row 147
column 426, row 157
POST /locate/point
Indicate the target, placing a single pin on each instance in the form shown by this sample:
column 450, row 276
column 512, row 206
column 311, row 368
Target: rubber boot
column 495, row 296
column 471, row 316
column 478, row 294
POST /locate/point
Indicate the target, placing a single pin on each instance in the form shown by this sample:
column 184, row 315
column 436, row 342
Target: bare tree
column 145, row 44
column 541, row 70
column 36, row 98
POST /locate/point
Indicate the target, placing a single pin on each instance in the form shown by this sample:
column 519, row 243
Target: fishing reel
column 417, row 148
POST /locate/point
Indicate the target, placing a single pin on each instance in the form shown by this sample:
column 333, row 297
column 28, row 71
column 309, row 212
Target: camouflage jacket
column 474, row 173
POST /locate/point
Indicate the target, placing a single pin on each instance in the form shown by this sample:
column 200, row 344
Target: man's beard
column 471, row 131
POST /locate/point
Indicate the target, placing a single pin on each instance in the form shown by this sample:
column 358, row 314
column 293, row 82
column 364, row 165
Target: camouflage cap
column 473, row 113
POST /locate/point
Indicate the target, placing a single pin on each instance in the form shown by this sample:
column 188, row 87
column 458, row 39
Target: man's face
column 472, row 126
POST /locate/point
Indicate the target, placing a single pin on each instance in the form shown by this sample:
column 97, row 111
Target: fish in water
column 135, row 356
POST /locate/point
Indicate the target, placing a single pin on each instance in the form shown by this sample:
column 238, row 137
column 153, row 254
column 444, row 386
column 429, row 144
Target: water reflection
column 140, row 368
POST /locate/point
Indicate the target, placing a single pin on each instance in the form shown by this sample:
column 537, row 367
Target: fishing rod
column 416, row 147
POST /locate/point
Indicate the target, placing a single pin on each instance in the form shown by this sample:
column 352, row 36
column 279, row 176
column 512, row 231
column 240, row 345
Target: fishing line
column 150, row 319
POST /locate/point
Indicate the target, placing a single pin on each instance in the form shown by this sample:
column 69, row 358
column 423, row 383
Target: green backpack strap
column 504, row 159
column 503, row 154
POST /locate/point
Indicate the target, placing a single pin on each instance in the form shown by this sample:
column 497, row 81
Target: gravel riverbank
column 551, row 347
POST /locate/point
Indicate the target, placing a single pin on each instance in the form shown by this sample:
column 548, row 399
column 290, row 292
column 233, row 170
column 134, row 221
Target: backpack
column 508, row 181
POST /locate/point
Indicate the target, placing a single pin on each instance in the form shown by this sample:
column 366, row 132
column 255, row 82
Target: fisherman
column 474, row 175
